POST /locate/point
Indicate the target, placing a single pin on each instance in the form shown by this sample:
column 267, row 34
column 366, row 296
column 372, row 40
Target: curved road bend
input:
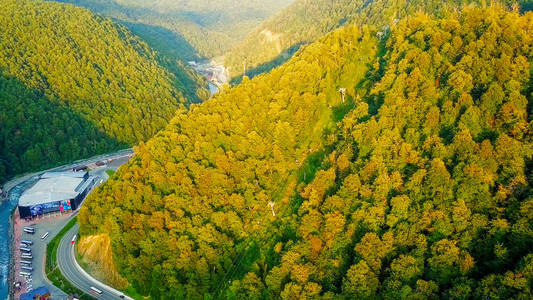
column 72, row 271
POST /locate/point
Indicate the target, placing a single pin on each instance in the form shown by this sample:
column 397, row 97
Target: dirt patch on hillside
column 272, row 38
column 96, row 258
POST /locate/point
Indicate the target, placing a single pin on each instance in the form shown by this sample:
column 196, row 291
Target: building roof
column 84, row 185
column 40, row 291
column 52, row 189
column 64, row 174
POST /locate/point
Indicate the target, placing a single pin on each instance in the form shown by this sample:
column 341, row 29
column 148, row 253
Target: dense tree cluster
column 74, row 84
column 193, row 197
column 188, row 29
column 416, row 183
column 429, row 196
column 37, row 133
column 278, row 38
column 303, row 22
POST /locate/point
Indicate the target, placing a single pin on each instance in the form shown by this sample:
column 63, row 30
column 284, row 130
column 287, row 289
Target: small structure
column 343, row 93
column 40, row 293
column 271, row 204
column 80, row 168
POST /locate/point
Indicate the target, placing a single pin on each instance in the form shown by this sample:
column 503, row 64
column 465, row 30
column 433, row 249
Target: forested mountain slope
column 416, row 185
column 73, row 84
column 303, row 22
column 278, row 38
column 188, row 30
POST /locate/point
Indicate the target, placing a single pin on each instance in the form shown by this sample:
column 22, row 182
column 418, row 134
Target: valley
column 276, row 149
column 216, row 74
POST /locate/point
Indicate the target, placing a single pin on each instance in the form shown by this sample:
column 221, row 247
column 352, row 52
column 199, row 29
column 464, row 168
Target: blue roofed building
column 40, row 293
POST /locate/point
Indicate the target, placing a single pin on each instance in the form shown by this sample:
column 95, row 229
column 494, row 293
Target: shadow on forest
column 525, row 6
column 268, row 66
column 172, row 52
column 38, row 132
column 164, row 40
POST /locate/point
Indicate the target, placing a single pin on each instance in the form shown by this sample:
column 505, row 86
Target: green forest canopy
column 416, row 184
column 73, row 84
column 303, row 22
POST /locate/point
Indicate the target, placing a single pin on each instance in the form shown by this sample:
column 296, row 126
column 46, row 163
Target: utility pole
column 244, row 68
column 271, row 204
column 343, row 93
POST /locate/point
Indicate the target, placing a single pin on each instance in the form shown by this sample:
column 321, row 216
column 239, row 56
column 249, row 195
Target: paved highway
column 76, row 275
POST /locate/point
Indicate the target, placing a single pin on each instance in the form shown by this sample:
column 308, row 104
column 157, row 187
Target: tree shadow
column 38, row 132
column 285, row 55
column 162, row 39
column 525, row 6
column 165, row 41
column 172, row 52
column 172, row 49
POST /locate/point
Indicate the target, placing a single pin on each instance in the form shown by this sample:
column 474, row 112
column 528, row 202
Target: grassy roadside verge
column 52, row 270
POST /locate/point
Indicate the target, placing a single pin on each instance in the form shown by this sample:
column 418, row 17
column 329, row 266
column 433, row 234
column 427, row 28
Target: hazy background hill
column 303, row 22
column 188, row 30
column 73, row 84
column 377, row 163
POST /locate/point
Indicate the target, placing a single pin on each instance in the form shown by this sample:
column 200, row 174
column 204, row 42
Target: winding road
column 72, row 271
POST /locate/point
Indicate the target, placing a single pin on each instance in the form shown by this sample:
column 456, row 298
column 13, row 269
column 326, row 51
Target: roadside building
column 40, row 293
column 55, row 191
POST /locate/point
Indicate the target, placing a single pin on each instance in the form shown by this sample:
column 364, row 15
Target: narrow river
column 6, row 207
column 213, row 89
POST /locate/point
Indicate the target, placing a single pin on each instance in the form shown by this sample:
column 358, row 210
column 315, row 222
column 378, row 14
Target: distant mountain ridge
column 304, row 21
column 196, row 29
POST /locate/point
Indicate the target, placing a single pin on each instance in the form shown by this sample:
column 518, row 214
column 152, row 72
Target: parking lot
column 52, row 224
